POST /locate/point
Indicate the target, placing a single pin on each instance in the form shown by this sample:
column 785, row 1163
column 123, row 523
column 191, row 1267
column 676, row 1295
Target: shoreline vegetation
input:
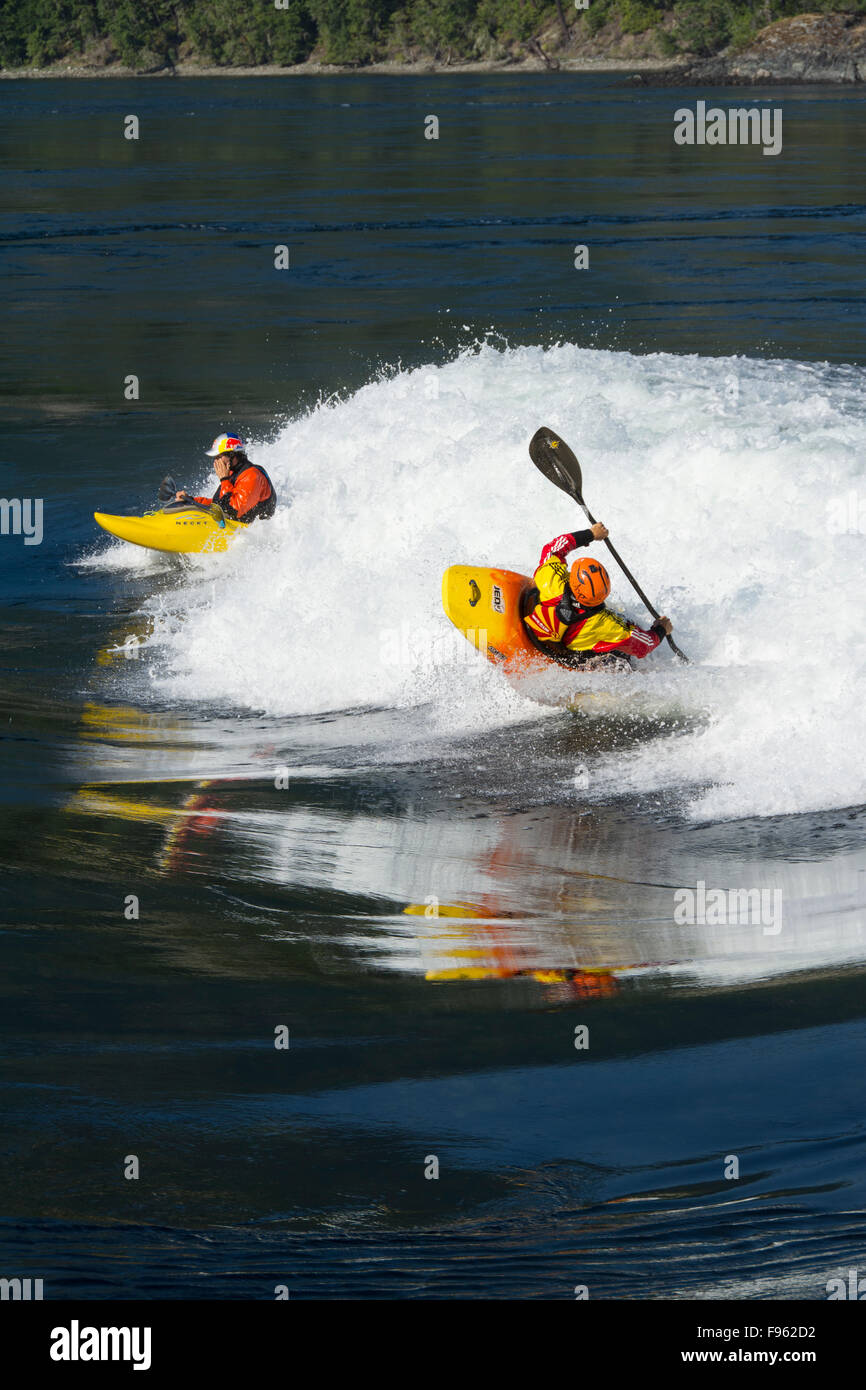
column 666, row 42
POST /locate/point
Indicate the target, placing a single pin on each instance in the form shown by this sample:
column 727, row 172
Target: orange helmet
column 590, row 581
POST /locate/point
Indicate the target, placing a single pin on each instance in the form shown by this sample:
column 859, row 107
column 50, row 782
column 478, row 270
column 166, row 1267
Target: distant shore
column 650, row 72
column 806, row 48
column 421, row 69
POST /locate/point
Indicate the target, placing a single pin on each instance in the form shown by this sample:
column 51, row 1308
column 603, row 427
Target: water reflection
column 582, row 899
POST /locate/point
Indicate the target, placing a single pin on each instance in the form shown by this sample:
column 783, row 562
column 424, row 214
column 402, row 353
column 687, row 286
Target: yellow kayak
column 181, row 530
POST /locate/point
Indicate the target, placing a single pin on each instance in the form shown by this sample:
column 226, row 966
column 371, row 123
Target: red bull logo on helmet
column 225, row 444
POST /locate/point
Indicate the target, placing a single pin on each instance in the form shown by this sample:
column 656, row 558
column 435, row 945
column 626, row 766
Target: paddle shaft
column 630, row 577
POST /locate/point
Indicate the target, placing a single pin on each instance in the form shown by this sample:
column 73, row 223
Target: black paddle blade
column 550, row 453
column 167, row 488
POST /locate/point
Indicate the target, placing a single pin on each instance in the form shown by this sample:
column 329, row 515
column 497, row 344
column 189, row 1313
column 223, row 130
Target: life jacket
column 569, row 611
column 264, row 509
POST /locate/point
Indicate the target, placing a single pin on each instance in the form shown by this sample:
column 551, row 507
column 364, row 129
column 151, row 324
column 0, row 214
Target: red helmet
column 590, row 581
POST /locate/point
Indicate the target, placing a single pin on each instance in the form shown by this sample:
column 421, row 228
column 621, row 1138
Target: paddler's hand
column 667, row 625
column 182, row 497
column 600, row 532
column 222, row 467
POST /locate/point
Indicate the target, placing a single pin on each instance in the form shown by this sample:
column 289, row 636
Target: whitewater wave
column 727, row 484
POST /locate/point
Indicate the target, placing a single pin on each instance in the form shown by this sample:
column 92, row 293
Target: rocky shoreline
column 806, row 48
column 311, row 69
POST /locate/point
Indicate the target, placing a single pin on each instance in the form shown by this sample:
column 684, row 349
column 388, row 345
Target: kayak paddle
column 167, row 494
column 552, row 456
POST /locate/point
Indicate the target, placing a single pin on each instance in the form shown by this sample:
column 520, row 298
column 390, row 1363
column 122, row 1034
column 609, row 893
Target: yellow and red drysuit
column 555, row 618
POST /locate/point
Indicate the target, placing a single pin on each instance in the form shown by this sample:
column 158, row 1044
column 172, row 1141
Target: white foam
column 714, row 476
column 119, row 555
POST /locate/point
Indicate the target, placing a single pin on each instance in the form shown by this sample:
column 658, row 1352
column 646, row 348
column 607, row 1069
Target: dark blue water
column 412, row 1036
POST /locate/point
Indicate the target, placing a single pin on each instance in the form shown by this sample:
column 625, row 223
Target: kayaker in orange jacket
column 245, row 491
column 565, row 614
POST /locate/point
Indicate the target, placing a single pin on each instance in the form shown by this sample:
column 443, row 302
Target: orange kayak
column 485, row 605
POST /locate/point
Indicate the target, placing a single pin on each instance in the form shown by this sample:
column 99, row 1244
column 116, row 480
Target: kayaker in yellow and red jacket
column 245, row 491
column 565, row 614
